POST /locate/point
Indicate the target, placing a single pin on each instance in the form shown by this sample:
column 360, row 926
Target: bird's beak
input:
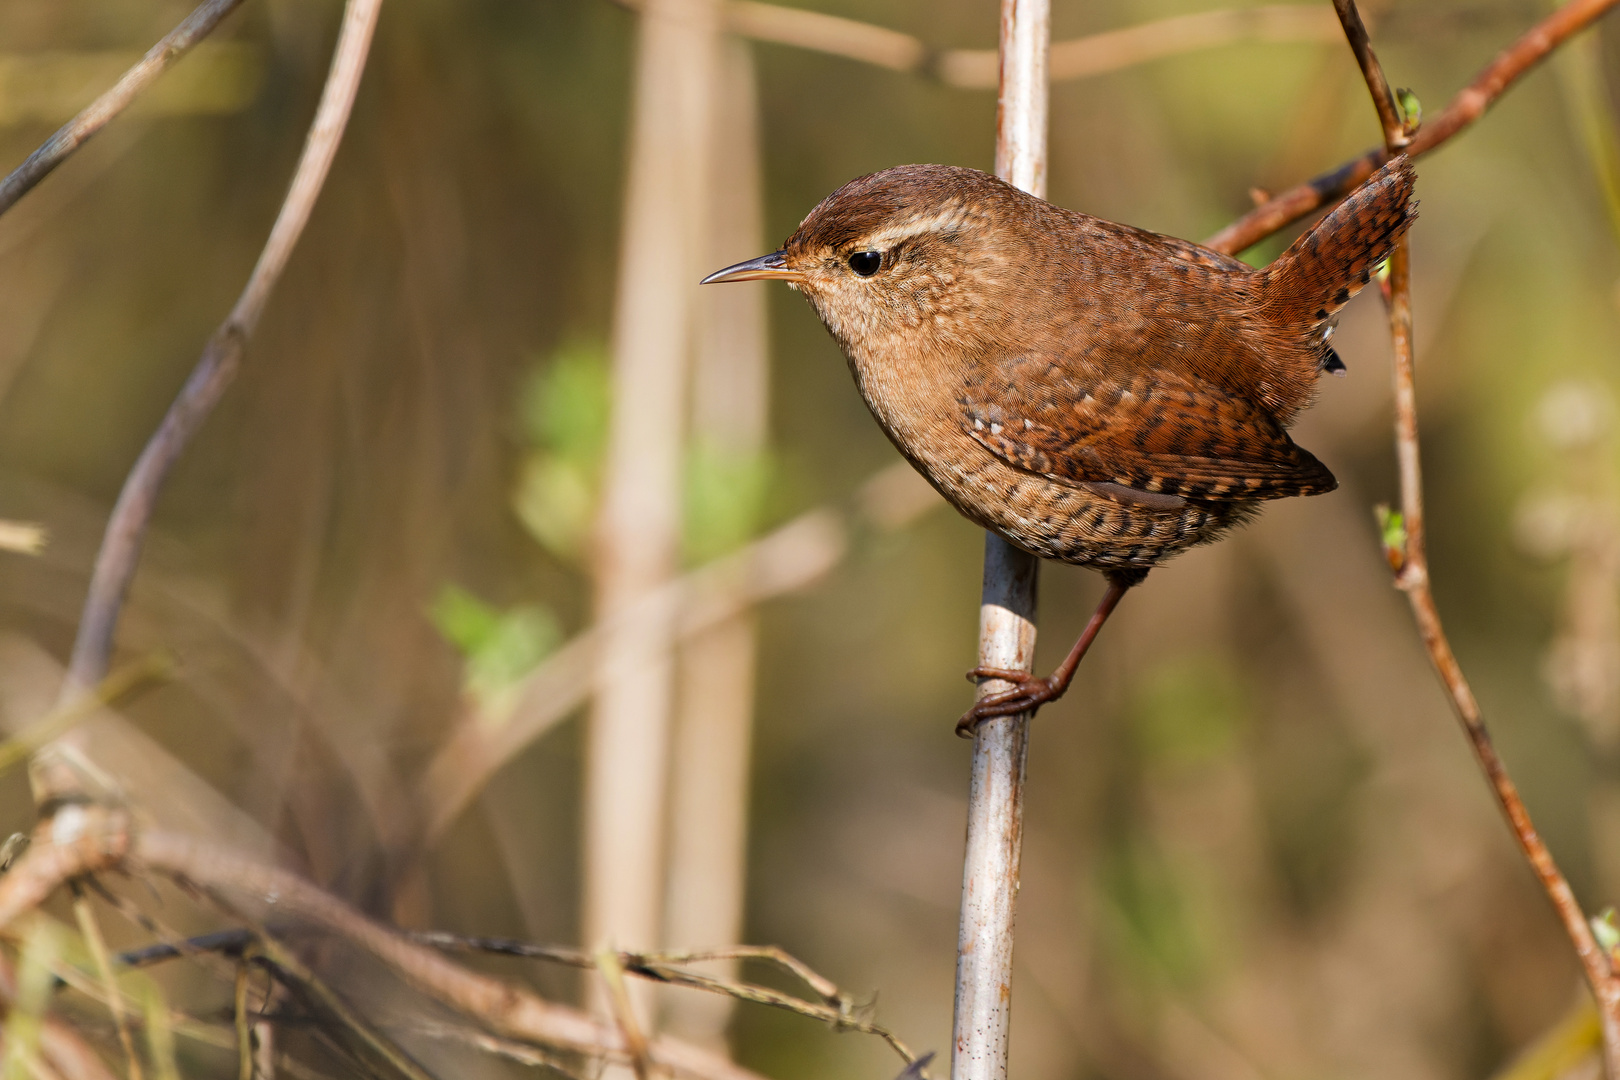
column 773, row 265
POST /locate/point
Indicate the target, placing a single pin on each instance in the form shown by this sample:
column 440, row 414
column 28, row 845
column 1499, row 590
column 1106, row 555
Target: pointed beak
column 773, row 265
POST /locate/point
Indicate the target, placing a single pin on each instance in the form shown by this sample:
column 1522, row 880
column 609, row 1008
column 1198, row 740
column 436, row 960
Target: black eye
column 866, row 263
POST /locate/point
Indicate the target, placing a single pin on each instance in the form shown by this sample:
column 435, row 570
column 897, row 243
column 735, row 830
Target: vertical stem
column 638, row 527
column 715, row 701
column 995, row 831
column 1026, row 44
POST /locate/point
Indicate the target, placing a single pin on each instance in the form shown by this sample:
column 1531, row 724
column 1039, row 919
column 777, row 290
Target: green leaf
column 1411, row 108
column 725, row 497
column 564, row 409
column 566, row 404
column 1392, row 533
column 555, row 499
column 1606, row 930
column 464, row 620
column 498, row 648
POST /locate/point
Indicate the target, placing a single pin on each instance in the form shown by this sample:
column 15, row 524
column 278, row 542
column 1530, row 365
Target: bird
column 1093, row 393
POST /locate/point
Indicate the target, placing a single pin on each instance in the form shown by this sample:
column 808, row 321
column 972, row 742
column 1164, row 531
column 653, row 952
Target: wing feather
column 1161, row 431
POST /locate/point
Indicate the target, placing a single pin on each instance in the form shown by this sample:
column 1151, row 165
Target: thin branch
column 824, row 987
column 832, row 34
column 72, row 135
column 83, row 839
column 224, row 942
column 835, row 1007
column 1467, row 106
column 1412, row 577
column 1408, row 556
column 976, row 69
column 1396, row 135
column 1115, row 50
column 288, row 965
column 126, row 529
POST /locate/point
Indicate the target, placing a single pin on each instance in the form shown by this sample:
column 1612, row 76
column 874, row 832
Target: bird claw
column 1027, row 695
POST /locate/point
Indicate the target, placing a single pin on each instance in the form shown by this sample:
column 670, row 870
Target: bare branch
column 1467, row 106
column 1115, row 50
column 126, row 529
column 1076, row 58
column 1412, row 577
column 72, row 135
column 827, row 33
column 1389, row 110
column 82, row 840
column 835, row 1008
column 1408, row 555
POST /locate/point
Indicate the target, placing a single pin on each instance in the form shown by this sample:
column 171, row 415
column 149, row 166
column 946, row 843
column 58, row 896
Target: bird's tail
column 1323, row 269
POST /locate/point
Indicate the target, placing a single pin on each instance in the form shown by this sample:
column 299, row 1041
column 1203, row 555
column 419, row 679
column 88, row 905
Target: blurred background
column 1256, row 846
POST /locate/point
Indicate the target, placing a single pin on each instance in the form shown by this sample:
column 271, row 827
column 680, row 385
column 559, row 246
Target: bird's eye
column 866, row 263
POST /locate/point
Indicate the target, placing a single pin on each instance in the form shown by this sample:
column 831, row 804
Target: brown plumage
column 1092, row 392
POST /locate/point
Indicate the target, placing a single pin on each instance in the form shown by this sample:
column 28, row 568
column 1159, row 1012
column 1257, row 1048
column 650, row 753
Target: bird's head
column 920, row 253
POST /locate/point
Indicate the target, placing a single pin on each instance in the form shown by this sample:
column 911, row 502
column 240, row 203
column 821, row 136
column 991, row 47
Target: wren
column 1092, row 392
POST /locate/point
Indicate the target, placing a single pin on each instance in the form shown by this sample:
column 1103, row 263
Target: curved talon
column 1030, row 695
column 1012, row 675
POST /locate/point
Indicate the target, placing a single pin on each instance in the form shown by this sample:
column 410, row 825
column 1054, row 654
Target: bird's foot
column 1027, row 695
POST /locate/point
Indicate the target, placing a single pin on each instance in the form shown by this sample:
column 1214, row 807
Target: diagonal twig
column 835, row 1008
column 95, row 116
column 1467, row 106
column 1408, row 557
column 126, row 529
column 1396, row 134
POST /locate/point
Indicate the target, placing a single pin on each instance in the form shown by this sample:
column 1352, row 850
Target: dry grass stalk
column 638, row 527
column 86, row 840
column 714, row 720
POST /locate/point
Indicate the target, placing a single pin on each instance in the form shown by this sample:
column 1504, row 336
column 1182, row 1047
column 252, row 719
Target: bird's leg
column 1031, row 693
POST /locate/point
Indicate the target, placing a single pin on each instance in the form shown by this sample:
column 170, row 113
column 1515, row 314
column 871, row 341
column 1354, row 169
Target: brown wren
column 1091, row 392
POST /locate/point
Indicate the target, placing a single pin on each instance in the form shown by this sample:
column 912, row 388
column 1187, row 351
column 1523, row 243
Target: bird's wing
column 1160, row 432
